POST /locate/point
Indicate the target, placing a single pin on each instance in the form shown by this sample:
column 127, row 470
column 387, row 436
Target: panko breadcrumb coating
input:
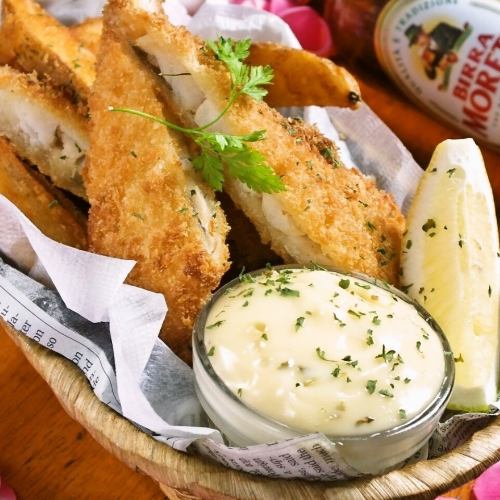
column 328, row 214
column 32, row 40
column 45, row 206
column 147, row 204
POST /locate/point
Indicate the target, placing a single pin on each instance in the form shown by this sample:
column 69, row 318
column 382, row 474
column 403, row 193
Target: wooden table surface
column 46, row 455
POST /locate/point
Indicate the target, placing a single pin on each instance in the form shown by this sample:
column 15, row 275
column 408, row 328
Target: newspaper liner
column 76, row 304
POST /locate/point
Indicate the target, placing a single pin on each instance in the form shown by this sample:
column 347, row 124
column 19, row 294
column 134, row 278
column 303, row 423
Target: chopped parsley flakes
column 299, row 322
column 288, row 292
column 215, row 325
column 370, row 386
column 344, row 283
column 430, row 224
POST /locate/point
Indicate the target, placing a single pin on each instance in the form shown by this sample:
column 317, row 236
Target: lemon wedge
column 450, row 266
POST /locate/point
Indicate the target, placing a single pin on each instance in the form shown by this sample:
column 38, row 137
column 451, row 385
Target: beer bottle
column 444, row 54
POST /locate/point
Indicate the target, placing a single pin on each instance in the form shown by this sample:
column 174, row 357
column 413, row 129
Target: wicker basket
column 183, row 476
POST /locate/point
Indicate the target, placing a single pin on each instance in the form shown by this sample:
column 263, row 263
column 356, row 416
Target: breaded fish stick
column 46, row 207
column 32, row 40
column 44, row 128
column 328, row 214
column 147, row 203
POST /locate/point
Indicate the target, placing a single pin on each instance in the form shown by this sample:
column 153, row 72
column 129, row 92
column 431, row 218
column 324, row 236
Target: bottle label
column 446, row 55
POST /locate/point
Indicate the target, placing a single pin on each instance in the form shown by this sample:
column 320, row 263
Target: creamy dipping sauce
column 324, row 352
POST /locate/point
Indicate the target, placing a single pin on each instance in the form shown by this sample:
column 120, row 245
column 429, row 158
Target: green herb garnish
column 355, row 313
column 386, row 393
column 326, row 153
column 430, row 224
column 366, row 287
column 299, row 323
column 322, row 355
column 225, row 154
column 366, row 420
column 370, row 386
column 369, row 339
column 215, row 325
column 341, row 323
column 211, row 352
column 344, row 283
column 387, row 356
column 245, row 278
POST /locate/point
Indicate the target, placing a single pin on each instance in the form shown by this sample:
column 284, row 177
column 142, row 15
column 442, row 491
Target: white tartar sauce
column 324, row 352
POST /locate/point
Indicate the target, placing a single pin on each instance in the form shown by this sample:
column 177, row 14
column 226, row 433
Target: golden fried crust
column 88, row 33
column 304, row 79
column 356, row 226
column 45, row 206
column 139, row 196
column 31, row 40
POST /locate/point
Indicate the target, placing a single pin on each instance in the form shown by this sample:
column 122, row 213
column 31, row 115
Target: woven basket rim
column 198, row 477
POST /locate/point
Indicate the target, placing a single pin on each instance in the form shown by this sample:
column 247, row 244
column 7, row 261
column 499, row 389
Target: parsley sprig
column 220, row 153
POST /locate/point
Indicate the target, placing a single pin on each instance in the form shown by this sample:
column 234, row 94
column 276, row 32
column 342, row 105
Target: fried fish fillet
column 147, row 203
column 44, row 128
column 328, row 214
column 89, row 33
column 245, row 247
column 32, row 40
column 46, row 207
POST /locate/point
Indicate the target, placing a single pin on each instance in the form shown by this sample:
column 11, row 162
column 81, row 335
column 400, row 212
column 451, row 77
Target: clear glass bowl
column 370, row 453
